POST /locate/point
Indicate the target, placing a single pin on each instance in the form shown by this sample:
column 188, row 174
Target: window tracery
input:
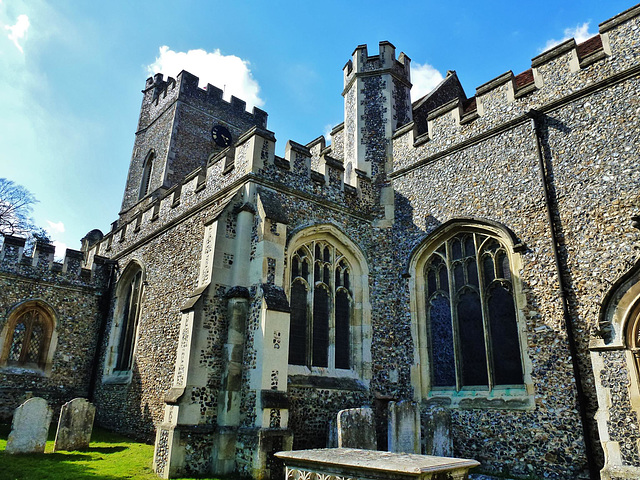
column 28, row 337
column 126, row 317
column 321, row 307
column 471, row 323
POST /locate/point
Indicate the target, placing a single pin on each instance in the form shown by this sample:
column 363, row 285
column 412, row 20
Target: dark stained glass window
column 504, row 337
column 343, row 321
column 320, row 345
column 471, row 331
column 472, row 328
column 298, row 334
column 443, row 368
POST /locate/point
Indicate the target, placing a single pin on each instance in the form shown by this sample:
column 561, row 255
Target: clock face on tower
column 221, row 136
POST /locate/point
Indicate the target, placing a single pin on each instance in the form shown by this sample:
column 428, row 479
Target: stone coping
column 402, row 463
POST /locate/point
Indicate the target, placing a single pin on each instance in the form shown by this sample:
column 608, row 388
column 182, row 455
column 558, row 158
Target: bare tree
column 16, row 204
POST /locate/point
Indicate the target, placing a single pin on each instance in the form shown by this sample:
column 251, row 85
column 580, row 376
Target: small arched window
column 147, row 168
column 27, row 337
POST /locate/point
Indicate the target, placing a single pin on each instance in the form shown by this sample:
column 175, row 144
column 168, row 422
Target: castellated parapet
column 252, row 158
column 559, row 76
column 40, row 265
column 377, row 102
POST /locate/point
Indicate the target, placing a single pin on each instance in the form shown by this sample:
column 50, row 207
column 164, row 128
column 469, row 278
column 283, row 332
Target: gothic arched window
column 125, row 321
column 321, row 307
column 27, row 337
column 147, row 166
column 471, row 315
column 467, row 318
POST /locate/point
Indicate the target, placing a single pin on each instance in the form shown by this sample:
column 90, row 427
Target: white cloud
column 55, row 227
column 18, row 31
column 327, row 132
column 61, row 248
column 227, row 72
column 424, row 78
column 580, row 33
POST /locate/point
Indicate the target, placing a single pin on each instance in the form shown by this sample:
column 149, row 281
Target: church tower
column 181, row 126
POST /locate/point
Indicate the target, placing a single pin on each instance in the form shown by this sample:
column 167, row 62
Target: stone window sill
column 501, row 398
column 22, row 370
column 117, row 378
column 326, row 382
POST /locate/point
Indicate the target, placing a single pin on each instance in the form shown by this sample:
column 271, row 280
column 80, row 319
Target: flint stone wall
column 588, row 146
column 76, row 303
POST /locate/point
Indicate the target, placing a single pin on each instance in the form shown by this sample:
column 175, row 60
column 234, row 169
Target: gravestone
column 75, row 425
column 332, row 435
column 403, row 432
column 356, row 429
column 437, row 433
column 29, row 427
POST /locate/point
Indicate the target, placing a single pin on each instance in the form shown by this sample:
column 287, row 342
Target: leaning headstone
column 75, row 425
column 356, row 429
column 30, row 427
column 403, row 432
column 437, row 433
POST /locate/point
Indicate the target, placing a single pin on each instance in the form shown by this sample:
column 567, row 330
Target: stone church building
column 476, row 254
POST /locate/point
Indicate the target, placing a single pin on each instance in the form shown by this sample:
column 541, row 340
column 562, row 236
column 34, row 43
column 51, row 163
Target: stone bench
column 355, row 464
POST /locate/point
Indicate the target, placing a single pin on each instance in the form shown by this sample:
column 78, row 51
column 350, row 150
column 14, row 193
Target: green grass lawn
column 109, row 457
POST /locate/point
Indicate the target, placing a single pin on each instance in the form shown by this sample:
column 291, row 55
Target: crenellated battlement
column 40, row 264
column 557, row 76
column 159, row 93
column 252, row 158
column 363, row 64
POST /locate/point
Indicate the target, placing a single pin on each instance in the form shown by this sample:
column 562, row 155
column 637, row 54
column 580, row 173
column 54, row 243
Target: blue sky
column 71, row 73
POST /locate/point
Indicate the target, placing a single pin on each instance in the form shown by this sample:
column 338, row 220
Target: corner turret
column 377, row 102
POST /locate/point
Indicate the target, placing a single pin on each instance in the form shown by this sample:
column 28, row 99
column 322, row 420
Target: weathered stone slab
column 369, row 465
column 437, row 433
column 356, row 429
column 75, row 425
column 30, row 426
column 403, row 433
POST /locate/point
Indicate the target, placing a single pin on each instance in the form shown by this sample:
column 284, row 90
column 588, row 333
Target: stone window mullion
column 329, row 339
column 454, row 316
column 28, row 330
column 485, row 313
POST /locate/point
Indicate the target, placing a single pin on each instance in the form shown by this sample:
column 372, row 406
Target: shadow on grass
column 50, row 466
column 104, row 449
